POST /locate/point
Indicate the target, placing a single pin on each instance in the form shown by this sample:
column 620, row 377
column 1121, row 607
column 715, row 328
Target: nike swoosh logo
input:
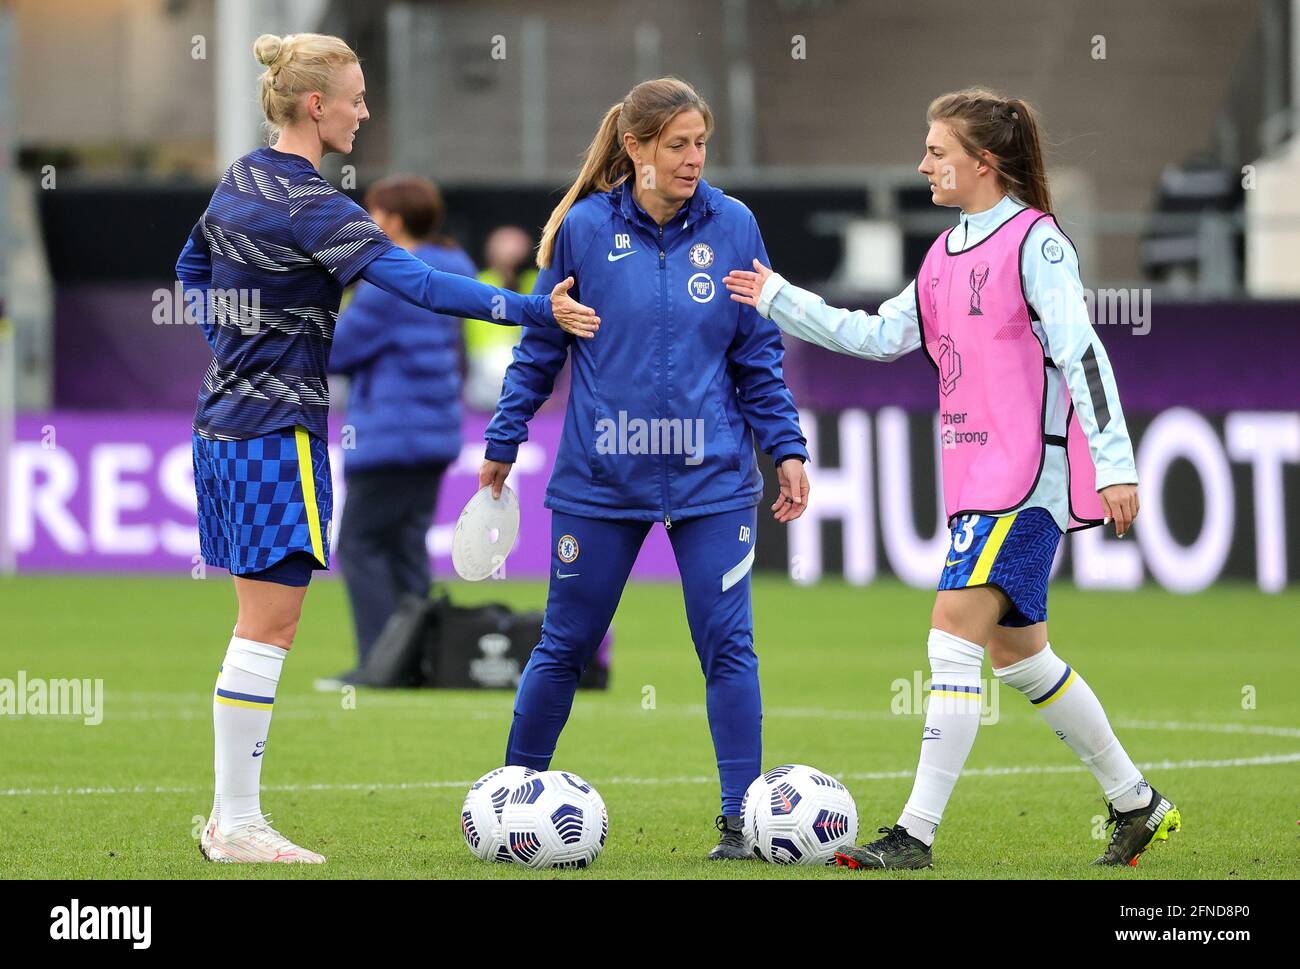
column 565, row 575
column 258, row 753
column 623, row 255
column 958, row 562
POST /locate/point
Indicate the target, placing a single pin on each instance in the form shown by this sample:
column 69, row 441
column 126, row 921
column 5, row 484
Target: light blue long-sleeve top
column 1050, row 268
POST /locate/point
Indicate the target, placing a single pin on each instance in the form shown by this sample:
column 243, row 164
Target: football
column 796, row 815
column 480, row 815
column 554, row 819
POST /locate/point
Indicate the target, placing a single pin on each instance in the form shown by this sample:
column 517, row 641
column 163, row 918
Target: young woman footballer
column 269, row 260
column 1034, row 444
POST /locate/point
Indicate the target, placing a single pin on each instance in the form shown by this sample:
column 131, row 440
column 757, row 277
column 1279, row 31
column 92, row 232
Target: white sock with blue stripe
column 241, row 720
column 951, row 720
column 1070, row 708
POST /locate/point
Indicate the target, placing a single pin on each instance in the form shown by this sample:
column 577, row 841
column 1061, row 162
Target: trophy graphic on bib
column 978, row 277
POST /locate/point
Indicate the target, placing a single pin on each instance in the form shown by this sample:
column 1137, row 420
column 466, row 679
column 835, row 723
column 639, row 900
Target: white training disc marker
column 485, row 533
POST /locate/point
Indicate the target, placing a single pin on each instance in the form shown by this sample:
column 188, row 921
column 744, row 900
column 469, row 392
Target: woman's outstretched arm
column 888, row 335
column 403, row 275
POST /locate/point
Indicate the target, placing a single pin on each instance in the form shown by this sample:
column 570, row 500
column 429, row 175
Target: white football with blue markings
column 798, row 815
column 554, row 819
column 480, row 815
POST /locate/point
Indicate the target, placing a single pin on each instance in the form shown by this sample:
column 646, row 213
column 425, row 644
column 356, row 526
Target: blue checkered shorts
column 263, row 499
column 1013, row 552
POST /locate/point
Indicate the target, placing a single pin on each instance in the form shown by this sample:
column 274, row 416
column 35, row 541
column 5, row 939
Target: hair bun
column 267, row 49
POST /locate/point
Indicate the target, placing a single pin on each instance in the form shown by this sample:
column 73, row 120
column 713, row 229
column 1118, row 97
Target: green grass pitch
column 378, row 788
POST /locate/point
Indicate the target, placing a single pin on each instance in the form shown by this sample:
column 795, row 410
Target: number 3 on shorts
column 963, row 541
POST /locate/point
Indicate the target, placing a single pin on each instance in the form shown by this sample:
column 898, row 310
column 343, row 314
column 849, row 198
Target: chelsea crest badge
column 701, row 255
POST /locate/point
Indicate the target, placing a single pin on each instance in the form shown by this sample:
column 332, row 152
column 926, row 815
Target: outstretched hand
column 571, row 315
column 745, row 286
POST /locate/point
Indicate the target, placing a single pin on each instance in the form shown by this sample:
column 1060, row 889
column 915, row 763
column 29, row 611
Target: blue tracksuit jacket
column 669, row 395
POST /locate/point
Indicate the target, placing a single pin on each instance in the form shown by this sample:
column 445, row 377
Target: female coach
column 1034, row 444
column 659, row 422
column 269, row 259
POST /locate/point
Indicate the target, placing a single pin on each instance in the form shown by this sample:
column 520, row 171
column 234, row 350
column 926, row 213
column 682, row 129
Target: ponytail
column 1028, row 173
column 605, row 165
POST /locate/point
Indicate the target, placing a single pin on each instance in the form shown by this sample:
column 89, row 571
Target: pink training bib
column 975, row 326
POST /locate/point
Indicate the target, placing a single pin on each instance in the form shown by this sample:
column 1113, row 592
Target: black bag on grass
column 487, row 647
column 394, row 660
column 431, row 642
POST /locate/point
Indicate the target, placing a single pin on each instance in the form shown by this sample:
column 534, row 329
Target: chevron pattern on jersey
column 282, row 243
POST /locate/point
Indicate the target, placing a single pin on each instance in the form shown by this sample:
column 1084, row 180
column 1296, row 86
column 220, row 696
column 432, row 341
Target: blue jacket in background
column 403, row 365
column 672, row 347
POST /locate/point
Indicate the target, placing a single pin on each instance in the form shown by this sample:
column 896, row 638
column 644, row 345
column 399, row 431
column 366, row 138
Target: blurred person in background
column 488, row 348
column 404, row 414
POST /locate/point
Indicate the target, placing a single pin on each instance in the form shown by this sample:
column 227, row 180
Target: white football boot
column 256, row 843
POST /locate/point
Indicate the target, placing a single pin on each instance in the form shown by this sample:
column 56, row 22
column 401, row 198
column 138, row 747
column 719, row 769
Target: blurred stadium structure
column 1173, row 149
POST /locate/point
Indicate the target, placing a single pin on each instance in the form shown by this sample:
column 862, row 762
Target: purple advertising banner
column 114, row 492
column 1212, row 357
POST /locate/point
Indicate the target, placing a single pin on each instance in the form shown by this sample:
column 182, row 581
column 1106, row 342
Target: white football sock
column 241, row 720
column 951, row 719
column 1070, row 708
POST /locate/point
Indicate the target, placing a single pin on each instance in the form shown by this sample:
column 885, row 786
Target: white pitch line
column 418, row 703
column 1261, row 730
column 205, row 714
column 1261, row 761
column 467, row 711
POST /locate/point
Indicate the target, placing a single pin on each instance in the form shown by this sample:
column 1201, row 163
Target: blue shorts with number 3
column 1013, row 553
